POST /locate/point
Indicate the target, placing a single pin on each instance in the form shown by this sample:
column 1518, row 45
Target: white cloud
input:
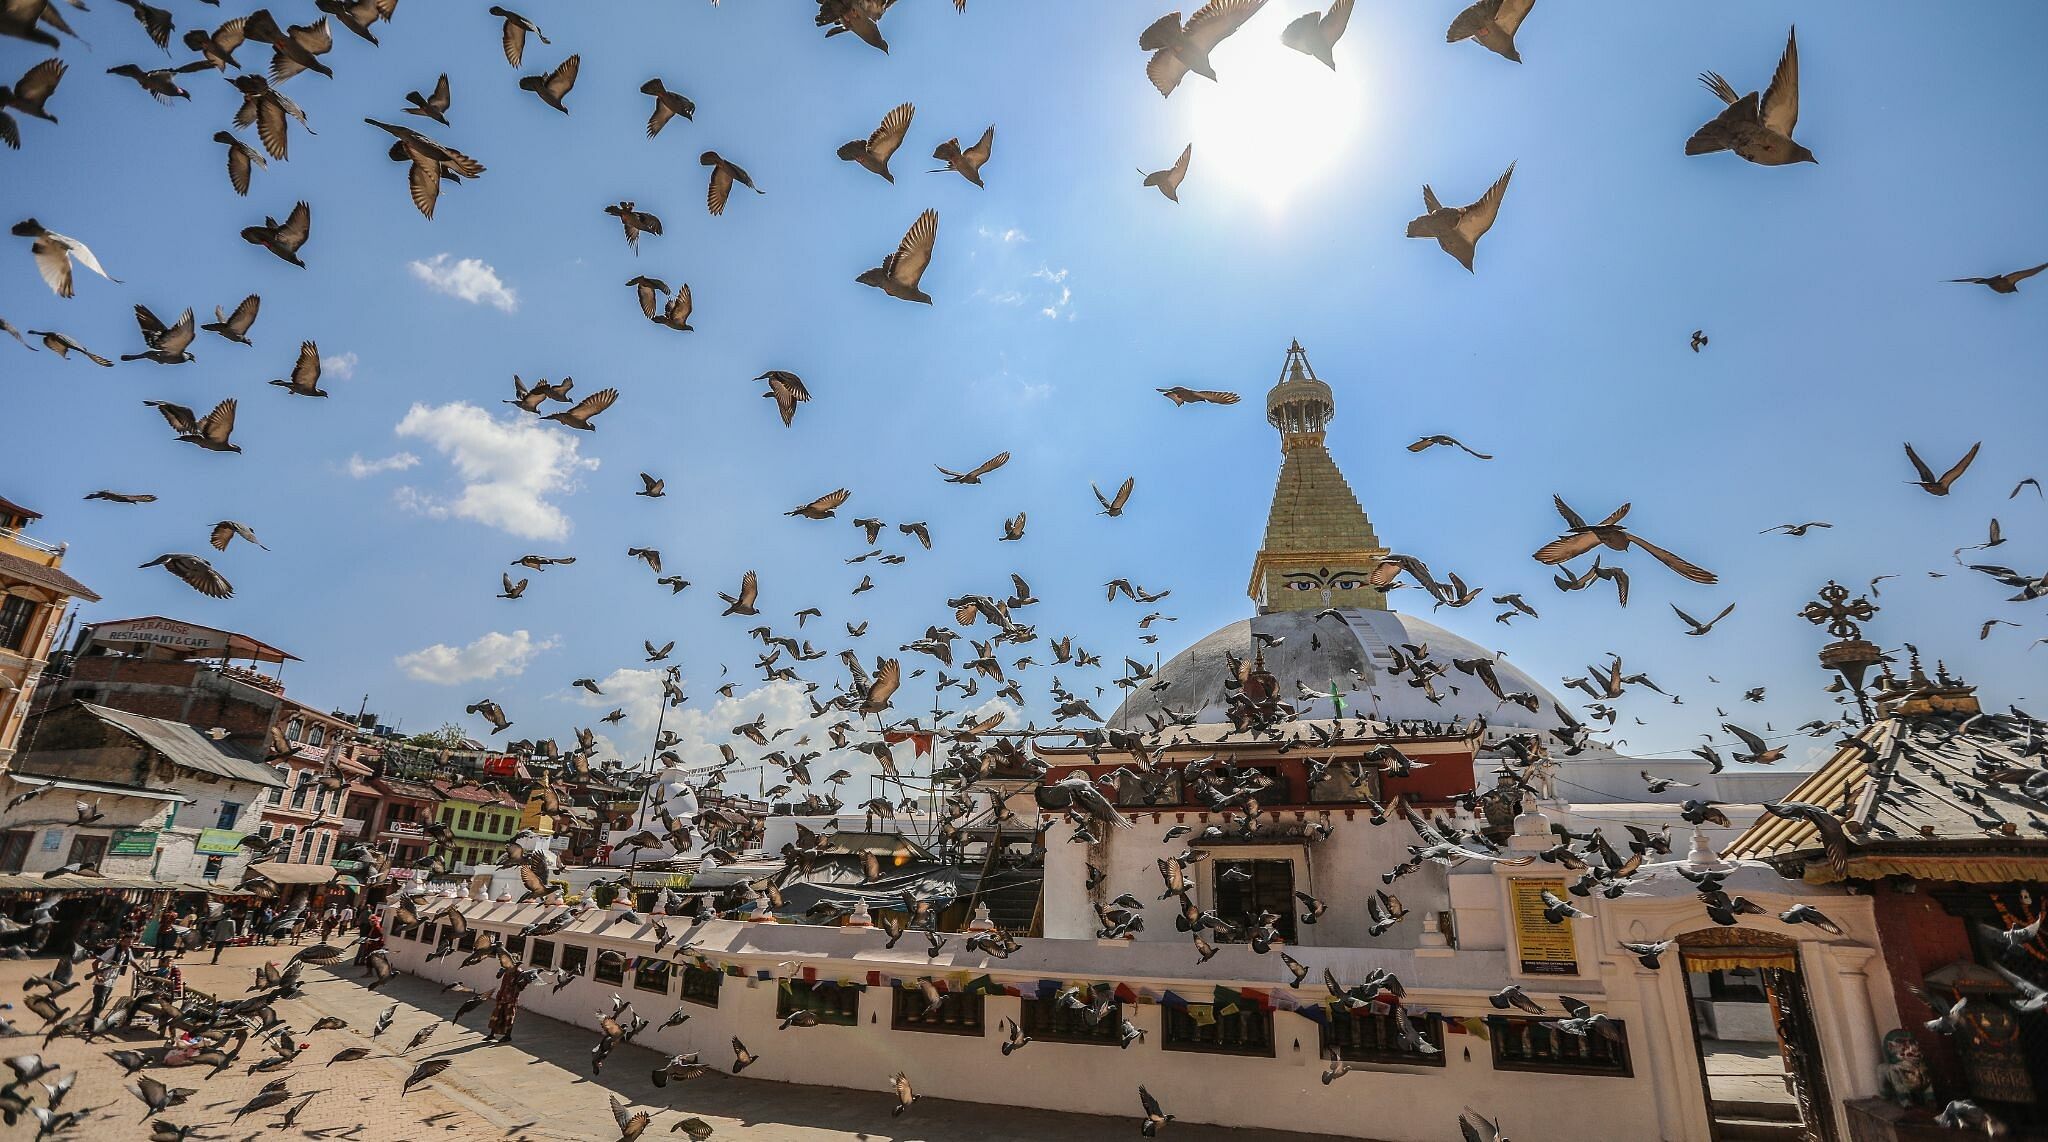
column 509, row 467
column 470, row 279
column 362, row 469
column 1062, row 298
column 343, row 366
column 1007, row 235
column 492, row 656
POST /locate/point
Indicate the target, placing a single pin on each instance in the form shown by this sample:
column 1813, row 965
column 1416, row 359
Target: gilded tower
column 1319, row 546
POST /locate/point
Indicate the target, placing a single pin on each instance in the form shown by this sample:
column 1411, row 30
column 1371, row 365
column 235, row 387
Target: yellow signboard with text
column 1544, row 948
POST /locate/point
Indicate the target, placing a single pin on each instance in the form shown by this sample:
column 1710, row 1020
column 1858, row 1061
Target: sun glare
column 1274, row 124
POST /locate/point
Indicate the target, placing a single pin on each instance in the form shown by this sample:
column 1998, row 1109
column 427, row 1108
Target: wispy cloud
column 471, row 279
column 1062, row 297
column 362, row 469
column 1007, row 235
column 509, row 468
column 494, row 655
column 342, row 366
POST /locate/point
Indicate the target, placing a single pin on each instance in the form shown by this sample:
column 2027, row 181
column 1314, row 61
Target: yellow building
column 33, row 595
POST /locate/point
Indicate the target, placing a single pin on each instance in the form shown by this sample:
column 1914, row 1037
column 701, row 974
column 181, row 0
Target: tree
column 448, row 736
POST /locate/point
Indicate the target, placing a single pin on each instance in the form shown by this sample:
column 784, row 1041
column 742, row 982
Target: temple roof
column 1319, row 545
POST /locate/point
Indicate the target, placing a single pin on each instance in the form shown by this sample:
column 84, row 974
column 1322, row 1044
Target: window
column 87, row 850
column 835, row 1005
column 306, row 846
column 284, row 844
column 1348, row 782
column 294, row 728
column 302, row 787
column 515, row 945
column 14, row 846
column 1046, row 1020
column 1132, row 793
column 958, row 1013
column 543, row 954
column 1364, row 1037
column 1252, row 887
column 265, row 829
column 430, row 934
column 651, row 974
column 212, row 870
column 611, row 967
column 1240, row 1030
column 284, row 782
column 700, row 985
column 1527, row 1045
column 15, row 615
column 574, row 956
column 462, row 820
column 318, row 737
column 229, row 814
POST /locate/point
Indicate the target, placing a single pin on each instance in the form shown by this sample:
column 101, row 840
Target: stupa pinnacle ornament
column 1319, row 546
column 1850, row 655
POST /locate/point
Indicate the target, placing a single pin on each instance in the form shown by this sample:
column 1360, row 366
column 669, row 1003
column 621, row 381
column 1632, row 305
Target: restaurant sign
column 1544, row 948
column 219, row 842
column 132, row 842
column 162, row 632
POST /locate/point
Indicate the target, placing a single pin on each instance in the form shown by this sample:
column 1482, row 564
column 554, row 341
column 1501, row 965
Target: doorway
column 1753, row 1033
column 1246, row 888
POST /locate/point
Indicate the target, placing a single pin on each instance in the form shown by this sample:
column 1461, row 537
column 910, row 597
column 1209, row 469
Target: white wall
column 1397, row 1103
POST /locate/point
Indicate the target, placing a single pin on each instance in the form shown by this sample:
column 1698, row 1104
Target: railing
column 263, row 682
column 16, row 535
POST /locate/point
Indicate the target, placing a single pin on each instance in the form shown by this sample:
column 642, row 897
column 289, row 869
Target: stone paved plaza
column 540, row 1088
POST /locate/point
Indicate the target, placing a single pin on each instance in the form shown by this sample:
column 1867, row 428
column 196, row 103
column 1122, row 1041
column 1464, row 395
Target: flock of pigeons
column 1757, row 127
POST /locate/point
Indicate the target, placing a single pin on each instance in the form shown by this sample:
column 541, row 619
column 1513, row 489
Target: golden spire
column 1319, row 545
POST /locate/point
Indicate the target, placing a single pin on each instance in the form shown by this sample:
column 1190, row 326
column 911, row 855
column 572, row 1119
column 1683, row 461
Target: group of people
column 178, row 933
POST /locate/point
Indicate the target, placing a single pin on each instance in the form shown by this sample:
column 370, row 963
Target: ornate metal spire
column 1319, row 545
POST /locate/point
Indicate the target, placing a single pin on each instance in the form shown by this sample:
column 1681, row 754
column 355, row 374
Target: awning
column 291, row 874
column 346, row 881
column 35, row 882
column 77, row 785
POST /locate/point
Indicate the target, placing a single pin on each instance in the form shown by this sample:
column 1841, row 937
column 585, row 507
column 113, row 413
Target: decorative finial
column 1850, row 655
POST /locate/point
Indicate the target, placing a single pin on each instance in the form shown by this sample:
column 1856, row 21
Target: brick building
column 34, row 591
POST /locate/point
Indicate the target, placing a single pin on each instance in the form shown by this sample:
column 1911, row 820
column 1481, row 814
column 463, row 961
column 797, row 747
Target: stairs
column 1757, row 1122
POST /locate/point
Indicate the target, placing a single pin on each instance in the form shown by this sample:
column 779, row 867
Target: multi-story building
column 186, row 795
column 481, row 818
column 34, row 591
column 390, row 814
column 306, row 817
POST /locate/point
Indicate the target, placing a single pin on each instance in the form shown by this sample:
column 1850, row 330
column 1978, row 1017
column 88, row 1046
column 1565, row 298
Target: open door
column 1759, row 1057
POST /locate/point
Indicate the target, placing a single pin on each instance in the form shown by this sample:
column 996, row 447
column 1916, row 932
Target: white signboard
column 162, row 632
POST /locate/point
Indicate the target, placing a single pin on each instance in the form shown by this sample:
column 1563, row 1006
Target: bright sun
column 1275, row 123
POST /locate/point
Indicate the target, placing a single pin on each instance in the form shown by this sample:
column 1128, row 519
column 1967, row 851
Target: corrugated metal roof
column 109, row 787
column 187, row 747
column 47, row 577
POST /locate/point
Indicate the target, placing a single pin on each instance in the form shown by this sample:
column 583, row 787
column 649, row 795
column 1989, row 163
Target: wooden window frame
column 838, row 1007
column 1361, row 1049
column 580, row 953
column 959, row 1013
column 693, row 989
column 1499, row 1027
column 541, row 954
column 652, row 968
column 1179, row 1032
column 1045, row 1021
column 604, row 975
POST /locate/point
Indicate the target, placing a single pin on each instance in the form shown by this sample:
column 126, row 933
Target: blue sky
column 1066, row 293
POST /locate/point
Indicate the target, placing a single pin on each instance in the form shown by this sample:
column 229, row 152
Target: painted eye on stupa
column 1301, row 585
column 1348, row 584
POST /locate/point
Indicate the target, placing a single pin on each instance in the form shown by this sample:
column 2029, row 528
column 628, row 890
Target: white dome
column 1353, row 656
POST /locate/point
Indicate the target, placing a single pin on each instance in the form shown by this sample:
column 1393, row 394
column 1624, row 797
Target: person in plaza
column 329, row 917
column 167, row 931
column 223, row 933
column 108, row 968
column 505, row 1004
column 264, row 920
column 348, row 916
column 373, row 939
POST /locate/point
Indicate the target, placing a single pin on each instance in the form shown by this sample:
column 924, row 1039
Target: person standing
column 348, row 916
column 108, row 968
column 223, row 933
column 505, row 1005
column 167, row 931
column 329, row 917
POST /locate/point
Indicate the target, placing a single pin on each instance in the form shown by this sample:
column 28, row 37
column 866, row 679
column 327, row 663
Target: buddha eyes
column 1300, row 585
column 1347, row 584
